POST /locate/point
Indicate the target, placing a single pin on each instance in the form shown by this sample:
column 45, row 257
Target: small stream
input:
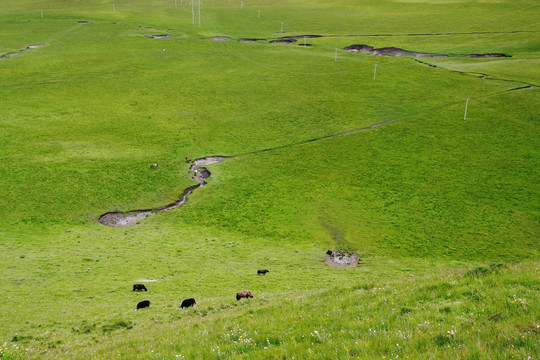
column 200, row 174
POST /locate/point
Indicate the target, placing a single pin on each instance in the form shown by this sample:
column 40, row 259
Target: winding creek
column 200, row 174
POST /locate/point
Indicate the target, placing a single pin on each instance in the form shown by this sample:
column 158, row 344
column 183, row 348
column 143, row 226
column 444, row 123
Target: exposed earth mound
column 339, row 258
column 252, row 40
column 284, row 41
column 402, row 52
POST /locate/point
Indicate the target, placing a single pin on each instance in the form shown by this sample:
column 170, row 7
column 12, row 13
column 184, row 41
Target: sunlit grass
column 442, row 211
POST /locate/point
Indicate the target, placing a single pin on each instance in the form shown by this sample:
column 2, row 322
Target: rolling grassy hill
column 442, row 210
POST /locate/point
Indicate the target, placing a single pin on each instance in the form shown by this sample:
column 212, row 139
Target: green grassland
column 443, row 211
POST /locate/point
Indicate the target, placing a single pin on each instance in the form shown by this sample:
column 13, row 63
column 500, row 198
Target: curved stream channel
column 200, row 174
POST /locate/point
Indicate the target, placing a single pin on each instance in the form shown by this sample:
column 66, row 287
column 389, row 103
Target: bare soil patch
column 393, row 51
column 283, row 41
column 220, row 38
column 251, row 40
column 159, row 36
column 342, row 259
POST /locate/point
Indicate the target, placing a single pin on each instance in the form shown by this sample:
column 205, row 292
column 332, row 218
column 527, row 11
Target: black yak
column 143, row 304
column 139, row 287
column 262, row 272
column 187, row 303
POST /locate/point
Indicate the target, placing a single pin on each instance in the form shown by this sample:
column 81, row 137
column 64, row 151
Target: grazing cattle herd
column 191, row 301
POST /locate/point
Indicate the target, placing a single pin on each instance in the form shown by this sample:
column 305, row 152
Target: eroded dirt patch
column 283, row 41
column 341, row 259
column 393, row 51
column 251, row 40
column 220, row 38
column 159, row 36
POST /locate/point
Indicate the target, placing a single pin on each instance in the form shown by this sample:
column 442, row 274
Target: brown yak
column 244, row 294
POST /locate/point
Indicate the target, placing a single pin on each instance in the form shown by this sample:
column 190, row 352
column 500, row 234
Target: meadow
column 443, row 211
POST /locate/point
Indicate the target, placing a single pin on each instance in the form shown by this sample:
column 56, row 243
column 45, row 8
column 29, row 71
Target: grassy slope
column 84, row 116
column 486, row 312
column 431, row 196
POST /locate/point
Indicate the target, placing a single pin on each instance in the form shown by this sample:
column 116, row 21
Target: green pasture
column 443, row 211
